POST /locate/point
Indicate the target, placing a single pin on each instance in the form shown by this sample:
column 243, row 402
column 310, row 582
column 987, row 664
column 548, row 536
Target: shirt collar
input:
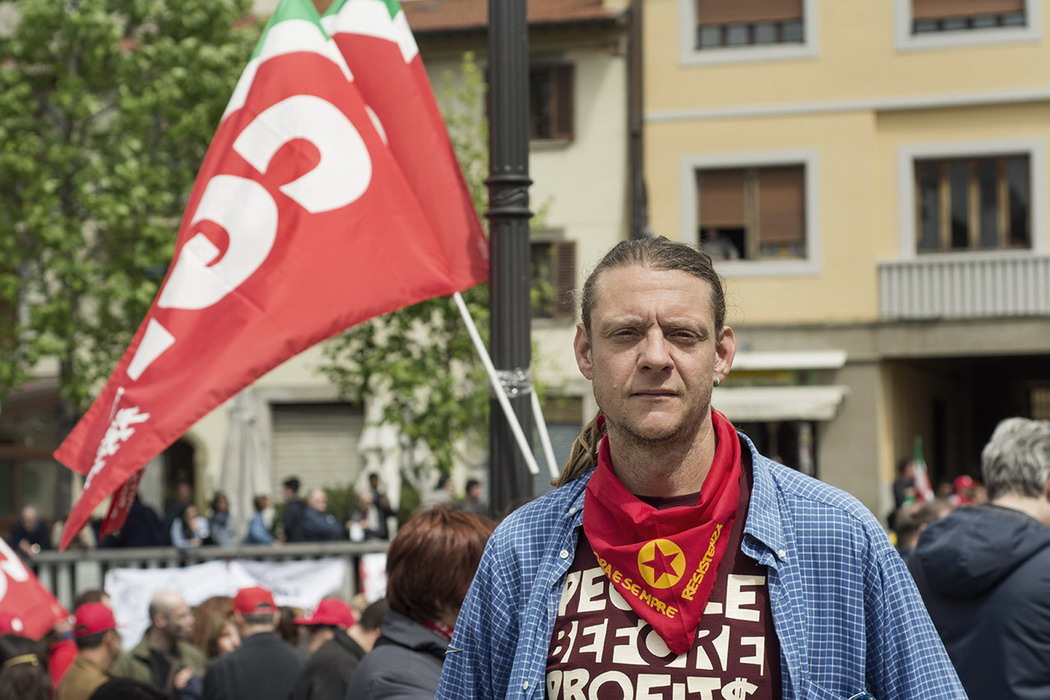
column 764, row 522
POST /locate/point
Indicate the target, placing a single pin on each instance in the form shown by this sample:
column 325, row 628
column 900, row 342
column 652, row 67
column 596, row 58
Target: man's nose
column 655, row 351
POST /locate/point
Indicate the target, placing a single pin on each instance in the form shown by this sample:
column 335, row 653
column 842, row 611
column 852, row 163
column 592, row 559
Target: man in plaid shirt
column 674, row 561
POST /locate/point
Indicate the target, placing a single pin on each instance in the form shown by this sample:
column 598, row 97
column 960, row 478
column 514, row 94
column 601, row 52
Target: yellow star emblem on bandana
column 661, row 563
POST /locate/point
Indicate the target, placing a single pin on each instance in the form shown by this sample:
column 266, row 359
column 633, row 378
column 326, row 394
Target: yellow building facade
column 874, row 176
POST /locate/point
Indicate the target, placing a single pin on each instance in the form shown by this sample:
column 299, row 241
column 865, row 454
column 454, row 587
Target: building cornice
column 878, row 104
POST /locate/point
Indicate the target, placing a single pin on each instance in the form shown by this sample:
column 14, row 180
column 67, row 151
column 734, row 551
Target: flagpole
column 508, row 214
column 499, row 391
column 545, row 436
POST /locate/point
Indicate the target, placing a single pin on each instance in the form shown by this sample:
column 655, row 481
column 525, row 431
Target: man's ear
column 581, row 345
column 725, row 351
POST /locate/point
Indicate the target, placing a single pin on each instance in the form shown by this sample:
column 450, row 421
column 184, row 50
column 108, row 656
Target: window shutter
column 563, row 277
column 781, row 205
column 945, row 9
column 717, row 12
column 317, row 443
column 722, row 198
column 562, row 108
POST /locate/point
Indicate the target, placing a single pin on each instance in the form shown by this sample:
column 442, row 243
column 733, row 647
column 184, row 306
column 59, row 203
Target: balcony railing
column 965, row 285
column 67, row 573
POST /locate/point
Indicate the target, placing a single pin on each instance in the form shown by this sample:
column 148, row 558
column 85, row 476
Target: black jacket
column 984, row 573
column 328, row 672
column 264, row 668
column 404, row 665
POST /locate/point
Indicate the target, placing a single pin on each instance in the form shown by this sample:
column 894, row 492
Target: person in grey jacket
column 430, row 565
column 984, row 570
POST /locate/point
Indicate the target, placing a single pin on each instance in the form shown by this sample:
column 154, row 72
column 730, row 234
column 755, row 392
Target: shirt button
column 525, row 685
column 572, row 511
column 782, row 553
column 564, row 554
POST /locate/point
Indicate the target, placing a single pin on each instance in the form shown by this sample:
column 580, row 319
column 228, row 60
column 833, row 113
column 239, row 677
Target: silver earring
column 717, row 381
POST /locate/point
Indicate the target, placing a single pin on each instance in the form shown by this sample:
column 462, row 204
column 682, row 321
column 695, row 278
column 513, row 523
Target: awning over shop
column 805, row 359
column 779, row 402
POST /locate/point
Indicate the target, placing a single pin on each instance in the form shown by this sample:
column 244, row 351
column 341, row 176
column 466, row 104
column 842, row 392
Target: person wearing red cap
column 98, row 645
column 333, row 654
column 965, row 491
column 264, row 667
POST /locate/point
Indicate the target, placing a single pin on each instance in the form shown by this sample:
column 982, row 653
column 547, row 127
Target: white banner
column 372, row 572
column 298, row 583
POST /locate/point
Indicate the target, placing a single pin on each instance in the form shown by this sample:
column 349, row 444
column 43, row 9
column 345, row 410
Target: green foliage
column 106, row 110
column 342, row 500
column 410, row 500
column 420, row 360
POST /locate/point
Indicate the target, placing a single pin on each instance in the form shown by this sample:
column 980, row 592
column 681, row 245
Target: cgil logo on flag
column 330, row 194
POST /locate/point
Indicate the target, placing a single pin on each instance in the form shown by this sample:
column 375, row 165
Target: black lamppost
column 508, row 214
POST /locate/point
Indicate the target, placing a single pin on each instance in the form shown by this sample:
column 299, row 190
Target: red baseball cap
column 92, row 618
column 964, row 482
column 254, row 601
column 330, row 611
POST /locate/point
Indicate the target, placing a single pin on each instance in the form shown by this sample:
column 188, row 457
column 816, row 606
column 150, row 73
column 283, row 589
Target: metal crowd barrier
column 67, row 573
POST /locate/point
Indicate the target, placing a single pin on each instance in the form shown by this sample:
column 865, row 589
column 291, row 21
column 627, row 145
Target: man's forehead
column 641, row 290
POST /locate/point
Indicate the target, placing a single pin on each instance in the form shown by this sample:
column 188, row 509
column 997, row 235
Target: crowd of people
column 184, row 526
column 673, row 560
column 246, row 646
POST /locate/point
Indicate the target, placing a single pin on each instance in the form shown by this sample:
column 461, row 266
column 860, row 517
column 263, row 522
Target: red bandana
column 665, row 562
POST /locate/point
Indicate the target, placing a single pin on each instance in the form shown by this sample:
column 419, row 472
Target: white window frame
column 906, row 41
column 689, row 55
column 690, row 215
column 907, row 154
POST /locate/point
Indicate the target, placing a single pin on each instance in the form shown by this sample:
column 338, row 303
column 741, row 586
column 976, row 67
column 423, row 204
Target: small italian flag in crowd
column 923, row 489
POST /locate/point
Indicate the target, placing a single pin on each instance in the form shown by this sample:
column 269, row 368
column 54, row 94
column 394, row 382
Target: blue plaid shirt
column 845, row 608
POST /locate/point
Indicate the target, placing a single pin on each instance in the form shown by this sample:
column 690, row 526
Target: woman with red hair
column 430, row 565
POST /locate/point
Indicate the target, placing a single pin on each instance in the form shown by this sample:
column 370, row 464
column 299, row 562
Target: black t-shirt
column 602, row 649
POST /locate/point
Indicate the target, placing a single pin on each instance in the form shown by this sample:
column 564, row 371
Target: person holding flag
column 675, row 559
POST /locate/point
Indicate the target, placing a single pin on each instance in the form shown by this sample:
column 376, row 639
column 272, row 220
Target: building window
column 551, row 108
column 976, row 203
column 553, row 275
column 317, row 442
column 729, row 23
column 752, row 213
column 952, row 15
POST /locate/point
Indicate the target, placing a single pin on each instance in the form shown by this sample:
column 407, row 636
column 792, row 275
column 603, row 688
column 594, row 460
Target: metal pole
column 508, row 215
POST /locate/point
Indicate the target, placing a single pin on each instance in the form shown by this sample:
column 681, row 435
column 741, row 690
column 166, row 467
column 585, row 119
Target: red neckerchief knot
column 664, row 562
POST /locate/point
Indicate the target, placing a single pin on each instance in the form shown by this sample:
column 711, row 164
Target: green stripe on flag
column 289, row 10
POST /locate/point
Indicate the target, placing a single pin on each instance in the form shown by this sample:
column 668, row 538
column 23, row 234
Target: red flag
column 300, row 225
column 375, row 39
column 32, row 608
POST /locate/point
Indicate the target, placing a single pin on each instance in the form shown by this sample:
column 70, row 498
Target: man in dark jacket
column 264, row 668
column 405, row 663
column 292, row 517
column 984, row 570
column 334, row 656
column 317, row 524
